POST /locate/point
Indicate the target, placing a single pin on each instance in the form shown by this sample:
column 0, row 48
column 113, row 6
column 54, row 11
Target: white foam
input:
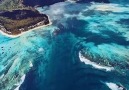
column 1, row 76
column 95, row 65
column 31, row 65
column 21, row 81
column 72, row 1
column 114, row 86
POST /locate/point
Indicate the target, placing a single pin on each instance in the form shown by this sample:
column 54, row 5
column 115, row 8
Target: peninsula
column 13, row 22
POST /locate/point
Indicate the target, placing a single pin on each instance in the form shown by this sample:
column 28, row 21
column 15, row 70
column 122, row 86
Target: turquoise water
column 49, row 57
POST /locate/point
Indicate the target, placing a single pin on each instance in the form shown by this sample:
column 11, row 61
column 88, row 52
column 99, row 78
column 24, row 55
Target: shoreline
column 18, row 35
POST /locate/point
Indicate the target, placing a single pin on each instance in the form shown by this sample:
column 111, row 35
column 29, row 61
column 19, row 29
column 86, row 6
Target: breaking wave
column 93, row 64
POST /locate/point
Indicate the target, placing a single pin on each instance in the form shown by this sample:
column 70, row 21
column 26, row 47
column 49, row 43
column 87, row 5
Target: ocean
column 85, row 48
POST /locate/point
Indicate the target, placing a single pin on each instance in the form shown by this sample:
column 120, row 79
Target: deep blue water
column 99, row 35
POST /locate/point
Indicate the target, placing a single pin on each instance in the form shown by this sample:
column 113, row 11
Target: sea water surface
column 85, row 48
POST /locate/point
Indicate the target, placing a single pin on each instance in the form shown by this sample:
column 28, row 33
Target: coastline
column 18, row 35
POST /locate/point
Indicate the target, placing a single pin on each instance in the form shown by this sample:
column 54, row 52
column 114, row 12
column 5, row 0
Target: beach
column 18, row 35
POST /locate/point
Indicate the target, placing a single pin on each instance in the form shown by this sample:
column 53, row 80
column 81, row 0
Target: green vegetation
column 16, row 18
column 18, row 21
column 10, row 4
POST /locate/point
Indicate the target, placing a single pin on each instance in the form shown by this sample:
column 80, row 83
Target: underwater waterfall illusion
column 85, row 48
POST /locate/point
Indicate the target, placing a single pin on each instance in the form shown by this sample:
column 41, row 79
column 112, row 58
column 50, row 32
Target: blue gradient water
column 49, row 57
